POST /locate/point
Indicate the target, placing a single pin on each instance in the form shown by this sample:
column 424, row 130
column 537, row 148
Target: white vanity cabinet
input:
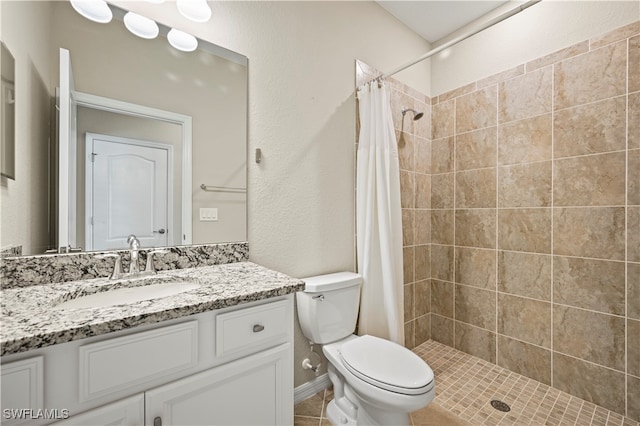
column 222, row 367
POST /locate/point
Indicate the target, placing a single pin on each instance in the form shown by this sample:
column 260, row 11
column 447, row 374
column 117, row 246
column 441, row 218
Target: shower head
column 416, row 115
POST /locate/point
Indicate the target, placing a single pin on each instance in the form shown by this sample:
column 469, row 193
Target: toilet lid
column 387, row 365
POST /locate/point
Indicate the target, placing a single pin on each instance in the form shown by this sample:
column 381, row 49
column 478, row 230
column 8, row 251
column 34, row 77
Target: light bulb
column 95, row 10
column 141, row 25
column 196, row 10
column 182, row 41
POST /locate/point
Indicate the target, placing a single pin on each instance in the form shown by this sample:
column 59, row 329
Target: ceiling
column 435, row 19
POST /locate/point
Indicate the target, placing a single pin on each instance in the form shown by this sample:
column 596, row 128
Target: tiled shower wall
column 535, row 221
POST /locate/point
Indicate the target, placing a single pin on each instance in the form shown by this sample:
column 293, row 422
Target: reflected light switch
column 208, row 214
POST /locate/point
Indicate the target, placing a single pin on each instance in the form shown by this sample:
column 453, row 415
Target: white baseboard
column 307, row 390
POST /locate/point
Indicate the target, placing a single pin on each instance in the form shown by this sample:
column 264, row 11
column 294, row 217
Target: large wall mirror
column 157, row 136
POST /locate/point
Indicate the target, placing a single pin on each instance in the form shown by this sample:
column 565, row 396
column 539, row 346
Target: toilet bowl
column 375, row 381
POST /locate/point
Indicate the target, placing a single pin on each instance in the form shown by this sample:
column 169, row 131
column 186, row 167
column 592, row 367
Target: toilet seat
column 386, row 365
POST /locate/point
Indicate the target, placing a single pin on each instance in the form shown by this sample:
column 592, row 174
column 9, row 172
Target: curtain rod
column 465, row 36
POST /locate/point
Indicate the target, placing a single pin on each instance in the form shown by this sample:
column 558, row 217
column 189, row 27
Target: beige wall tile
column 422, row 294
column 442, row 119
column 422, row 152
column 475, row 189
column 409, row 334
column 594, row 180
column 407, row 191
column 633, row 121
column 525, row 185
column 475, row 267
column 408, row 264
column 442, row 262
column 442, row 191
column 634, row 64
column 422, row 127
column 578, row 377
column 406, row 153
column 559, row 55
column 590, row 129
column 525, row 141
column 476, row 149
column 616, row 35
column 407, row 227
column 524, row 319
column 442, row 329
column 633, row 397
column 422, row 227
column 633, row 234
column 596, row 75
column 590, row 336
column 523, row 358
column 633, row 347
column 442, row 227
column 596, row 232
column 475, row 341
column 422, row 329
column 633, row 290
column 442, row 155
column 408, row 293
column 476, row 110
column 475, row 306
column 590, row 284
column 501, row 76
column 633, row 170
column 475, row 228
column 463, row 90
column 422, row 262
column 525, row 96
column 525, row 230
column 422, row 191
column 442, row 298
column 525, row 274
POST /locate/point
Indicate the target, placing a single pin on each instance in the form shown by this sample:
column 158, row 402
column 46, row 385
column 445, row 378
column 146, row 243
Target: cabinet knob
column 257, row 328
column 157, row 421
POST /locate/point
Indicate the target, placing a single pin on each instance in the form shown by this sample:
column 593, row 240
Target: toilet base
column 338, row 417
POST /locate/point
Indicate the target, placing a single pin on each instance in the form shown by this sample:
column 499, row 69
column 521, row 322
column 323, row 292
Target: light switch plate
column 209, row 214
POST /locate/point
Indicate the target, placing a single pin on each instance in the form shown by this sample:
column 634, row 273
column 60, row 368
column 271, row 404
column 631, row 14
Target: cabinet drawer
column 248, row 330
column 124, row 362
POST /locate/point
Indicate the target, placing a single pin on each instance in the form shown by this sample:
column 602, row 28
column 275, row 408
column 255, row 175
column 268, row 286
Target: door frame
column 88, row 188
column 185, row 121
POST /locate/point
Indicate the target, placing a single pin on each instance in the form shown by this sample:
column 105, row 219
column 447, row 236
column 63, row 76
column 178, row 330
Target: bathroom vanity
column 220, row 352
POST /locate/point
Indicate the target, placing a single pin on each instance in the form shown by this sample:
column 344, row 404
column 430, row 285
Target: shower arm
column 460, row 38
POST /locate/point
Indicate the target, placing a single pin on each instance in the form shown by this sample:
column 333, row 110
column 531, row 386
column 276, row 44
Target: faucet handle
column 117, row 267
column 150, row 267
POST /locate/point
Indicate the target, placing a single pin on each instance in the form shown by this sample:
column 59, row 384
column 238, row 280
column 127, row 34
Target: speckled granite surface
column 31, row 320
column 55, row 268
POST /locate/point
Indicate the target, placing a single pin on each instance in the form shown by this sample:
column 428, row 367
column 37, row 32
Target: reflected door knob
column 160, row 231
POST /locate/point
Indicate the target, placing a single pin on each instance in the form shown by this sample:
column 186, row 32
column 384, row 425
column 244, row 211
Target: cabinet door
column 126, row 412
column 256, row 390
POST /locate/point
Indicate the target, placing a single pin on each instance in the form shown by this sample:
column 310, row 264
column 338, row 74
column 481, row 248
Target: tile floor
column 464, row 387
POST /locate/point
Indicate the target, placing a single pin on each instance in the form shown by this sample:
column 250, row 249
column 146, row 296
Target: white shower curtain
column 379, row 218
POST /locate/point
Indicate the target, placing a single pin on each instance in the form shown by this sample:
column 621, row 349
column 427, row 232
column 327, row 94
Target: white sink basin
column 126, row 295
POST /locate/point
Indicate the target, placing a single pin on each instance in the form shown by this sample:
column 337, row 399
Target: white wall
column 302, row 115
column 541, row 29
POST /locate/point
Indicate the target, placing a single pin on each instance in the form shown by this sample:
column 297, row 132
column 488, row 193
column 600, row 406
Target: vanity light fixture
column 182, row 41
column 141, row 26
column 95, row 10
column 195, row 10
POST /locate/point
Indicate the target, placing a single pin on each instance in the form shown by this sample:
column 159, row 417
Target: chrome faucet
column 134, row 247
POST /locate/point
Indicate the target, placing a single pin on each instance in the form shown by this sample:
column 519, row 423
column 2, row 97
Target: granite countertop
column 30, row 319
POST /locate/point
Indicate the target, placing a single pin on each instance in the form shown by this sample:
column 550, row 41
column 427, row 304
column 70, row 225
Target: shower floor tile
column 465, row 385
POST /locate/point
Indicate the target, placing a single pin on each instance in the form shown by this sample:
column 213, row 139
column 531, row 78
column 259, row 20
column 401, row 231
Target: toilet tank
column 328, row 306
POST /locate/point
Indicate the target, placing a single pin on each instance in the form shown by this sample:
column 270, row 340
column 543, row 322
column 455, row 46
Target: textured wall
column 535, row 219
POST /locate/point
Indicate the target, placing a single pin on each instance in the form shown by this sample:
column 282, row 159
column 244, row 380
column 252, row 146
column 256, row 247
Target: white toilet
column 375, row 381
